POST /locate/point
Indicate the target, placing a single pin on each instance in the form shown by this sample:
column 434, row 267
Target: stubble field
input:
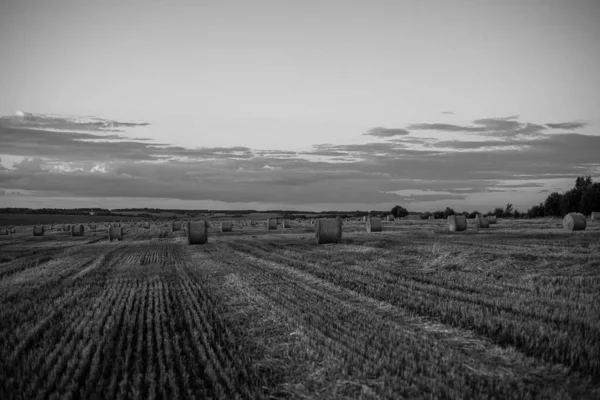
column 411, row 312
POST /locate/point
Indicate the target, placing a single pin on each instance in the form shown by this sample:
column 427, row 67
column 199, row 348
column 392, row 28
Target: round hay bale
column 328, row 230
column 226, row 226
column 197, row 232
column 431, row 217
column 3, row 231
column 92, row 227
column 59, row 229
column 66, row 228
column 38, row 230
column 146, row 225
column 115, row 233
column 595, row 216
column 286, row 224
column 481, row 222
column 574, row 222
column 492, row 220
column 373, row 225
column 271, row 223
column 390, row 218
column 457, row 223
column 176, row 226
column 77, row 230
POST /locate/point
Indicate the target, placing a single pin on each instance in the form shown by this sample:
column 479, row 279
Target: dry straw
column 115, row 233
column 328, row 230
column 38, row 230
column 373, row 225
column 493, row 220
column 574, row 222
column 271, row 223
column 481, row 222
column 225, row 226
column 197, row 232
column 77, row 230
column 457, row 223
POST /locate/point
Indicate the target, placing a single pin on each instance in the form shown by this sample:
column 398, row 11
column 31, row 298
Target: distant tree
column 508, row 210
column 552, row 205
column 536, row 211
column 448, row 211
column 590, row 199
column 399, row 212
column 571, row 200
column 473, row 214
column 439, row 214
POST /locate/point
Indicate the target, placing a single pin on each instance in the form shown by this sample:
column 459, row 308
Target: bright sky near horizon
column 423, row 104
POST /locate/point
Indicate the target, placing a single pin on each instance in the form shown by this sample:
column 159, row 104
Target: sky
column 311, row 105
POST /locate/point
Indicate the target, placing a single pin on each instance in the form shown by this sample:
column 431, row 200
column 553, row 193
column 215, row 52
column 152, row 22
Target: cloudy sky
column 312, row 105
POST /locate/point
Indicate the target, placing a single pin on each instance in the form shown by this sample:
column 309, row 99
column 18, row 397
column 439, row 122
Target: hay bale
column 116, row 224
column 390, row 218
column 92, row 227
column 574, row 222
column 271, row 224
column 226, row 226
column 38, row 230
column 373, row 225
column 176, row 226
column 457, row 223
column 3, row 231
column 146, row 225
column 328, row 230
column 77, row 230
column 431, row 217
column 286, row 224
column 115, row 233
column 492, row 220
column 59, row 229
column 66, row 228
column 481, row 222
column 197, row 232
column 595, row 216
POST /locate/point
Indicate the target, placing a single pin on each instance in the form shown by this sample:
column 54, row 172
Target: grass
column 410, row 312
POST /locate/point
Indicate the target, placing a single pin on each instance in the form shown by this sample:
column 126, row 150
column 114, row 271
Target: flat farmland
column 411, row 312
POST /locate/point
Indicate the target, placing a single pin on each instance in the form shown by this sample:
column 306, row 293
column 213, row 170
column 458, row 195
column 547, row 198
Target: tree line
column 583, row 198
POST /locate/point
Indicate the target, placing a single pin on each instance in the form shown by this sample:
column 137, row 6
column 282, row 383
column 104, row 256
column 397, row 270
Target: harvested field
column 413, row 311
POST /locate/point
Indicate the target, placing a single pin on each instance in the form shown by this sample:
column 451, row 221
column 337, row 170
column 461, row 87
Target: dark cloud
column 386, row 132
column 448, row 112
column 509, row 127
column 44, row 121
column 446, row 127
column 567, row 125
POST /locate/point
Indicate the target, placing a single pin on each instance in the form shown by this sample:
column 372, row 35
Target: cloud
column 509, row 127
column 29, row 165
column 386, row 132
column 448, row 112
column 80, row 164
column 570, row 126
column 49, row 121
column 446, row 127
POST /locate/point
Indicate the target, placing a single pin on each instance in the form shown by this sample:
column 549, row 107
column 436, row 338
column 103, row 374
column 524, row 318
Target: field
column 411, row 312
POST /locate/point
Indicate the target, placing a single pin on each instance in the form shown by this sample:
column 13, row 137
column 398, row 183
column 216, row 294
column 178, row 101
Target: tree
column 508, row 210
column 473, row 214
column 571, row 200
column 590, row 199
column 399, row 212
column 536, row 211
column 552, row 205
column 448, row 211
